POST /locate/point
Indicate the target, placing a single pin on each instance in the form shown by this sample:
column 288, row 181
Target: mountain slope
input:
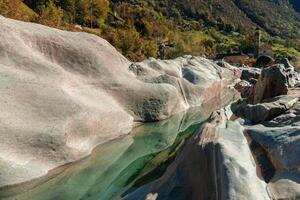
column 215, row 12
column 195, row 27
column 277, row 17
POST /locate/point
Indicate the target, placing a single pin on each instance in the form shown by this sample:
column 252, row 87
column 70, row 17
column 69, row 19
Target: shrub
column 150, row 49
column 51, row 15
column 90, row 12
column 2, row 7
column 17, row 10
column 246, row 44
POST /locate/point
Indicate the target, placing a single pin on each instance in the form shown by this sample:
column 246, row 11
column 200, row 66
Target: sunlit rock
column 63, row 93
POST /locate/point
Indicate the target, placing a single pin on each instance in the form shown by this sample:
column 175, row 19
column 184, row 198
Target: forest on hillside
column 196, row 27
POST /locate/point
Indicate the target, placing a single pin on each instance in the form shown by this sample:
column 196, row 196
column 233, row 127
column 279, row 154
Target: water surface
column 123, row 165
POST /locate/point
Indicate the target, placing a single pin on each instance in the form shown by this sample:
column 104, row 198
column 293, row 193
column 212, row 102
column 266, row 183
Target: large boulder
column 197, row 79
column 245, row 88
column 282, row 147
column 279, row 138
column 248, row 74
column 289, row 118
column 216, row 163
column 293, row 77
column 268, row 109
column 287, row 64
column 271, row 83
column 63, row 93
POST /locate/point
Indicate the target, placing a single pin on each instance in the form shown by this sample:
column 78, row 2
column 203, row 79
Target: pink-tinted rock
column 63, row 93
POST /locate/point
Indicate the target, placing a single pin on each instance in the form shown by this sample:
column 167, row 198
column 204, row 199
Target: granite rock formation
column 271, row 83
column 280, row 139
column 64, row 93
column 61, row 98
column 268, row 109
column 272, row 128
column 247, row 151
column 221, row 167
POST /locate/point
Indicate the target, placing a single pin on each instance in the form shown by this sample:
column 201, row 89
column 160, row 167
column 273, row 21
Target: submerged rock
column 113, row 165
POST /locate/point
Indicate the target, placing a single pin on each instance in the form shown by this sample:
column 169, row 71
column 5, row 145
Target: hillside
column 79, row 121
column 277, row 17
column 197, row 27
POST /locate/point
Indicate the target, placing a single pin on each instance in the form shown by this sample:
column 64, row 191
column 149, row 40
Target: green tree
column 70, row 8
column 36, row 4
column 51, row 15
column 2, row 7
column 151, row 49
column 246, row 43
column 93, row 12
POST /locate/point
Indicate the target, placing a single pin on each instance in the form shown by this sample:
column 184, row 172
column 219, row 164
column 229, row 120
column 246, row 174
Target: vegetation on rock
column 198, row 27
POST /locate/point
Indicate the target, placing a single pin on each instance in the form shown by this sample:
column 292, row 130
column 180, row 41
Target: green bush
column 135, row 27
column 51, row 15
column 2, row 7
column 91, row 11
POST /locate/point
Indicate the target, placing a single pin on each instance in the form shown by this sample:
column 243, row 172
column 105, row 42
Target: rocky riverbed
column 63, row 94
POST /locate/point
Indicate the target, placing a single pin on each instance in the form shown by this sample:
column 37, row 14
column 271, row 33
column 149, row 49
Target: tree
column 2, row 7
column 70, row 8
column 51, row 15
column 246, row 43
column 17, row 10
column 91, row 12
column 36, row 4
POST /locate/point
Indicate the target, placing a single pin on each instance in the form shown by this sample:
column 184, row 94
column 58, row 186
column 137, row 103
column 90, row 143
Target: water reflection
column 123, row 164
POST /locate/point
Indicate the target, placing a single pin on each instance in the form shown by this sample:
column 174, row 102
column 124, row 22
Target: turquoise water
column 122, row 165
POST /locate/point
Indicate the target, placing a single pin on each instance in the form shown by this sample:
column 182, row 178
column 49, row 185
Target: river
column 121, row 166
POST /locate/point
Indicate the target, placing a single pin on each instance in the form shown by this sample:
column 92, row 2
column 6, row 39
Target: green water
column 122, row 165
